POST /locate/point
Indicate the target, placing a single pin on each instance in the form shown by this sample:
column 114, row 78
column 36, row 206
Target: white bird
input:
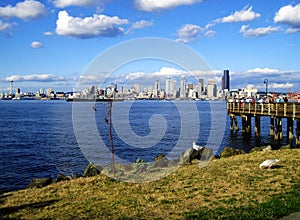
column 269, row 163
column 197, row 147
column 267, row 148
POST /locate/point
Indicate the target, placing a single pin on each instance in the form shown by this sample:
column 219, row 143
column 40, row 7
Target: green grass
column 231, row 188
column 276, row 207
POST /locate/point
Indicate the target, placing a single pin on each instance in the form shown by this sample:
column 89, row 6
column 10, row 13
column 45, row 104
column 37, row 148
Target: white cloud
column 90, row 78
column 189, row 33
column 35, row 77
column 289, row 15
column 133, row 76
column 142, row 24
column 48, row 33
column 246, row 14
column 139, row 25
column 29, row 9
column 86, row 3
column 88, row 27
column 210, row 33
column 258, row 31
column 168, row 71
column 282, row 85
column 4, row 26
column 264, row 71
column 36, row 44
column 155, row 5
column 292, row 30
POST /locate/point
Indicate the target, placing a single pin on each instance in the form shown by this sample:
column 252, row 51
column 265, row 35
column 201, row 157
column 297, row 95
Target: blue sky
column 48, row 44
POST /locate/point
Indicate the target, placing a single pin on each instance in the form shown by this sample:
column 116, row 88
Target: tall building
column 150, row 89
column 168, row 85
column 94, row 90
column 157, row 86
column 137, row 88
column 41, row 91
column 200, row 87
column 182, row 87
column 226, row 80
column 211, row 89
column 190, row 86
column 11, row 87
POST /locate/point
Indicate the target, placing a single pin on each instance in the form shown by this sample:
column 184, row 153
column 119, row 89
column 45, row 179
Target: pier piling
column 298, row 132
column 233, row 123
column 257, row 126
column 271, row 126
column 290, row 128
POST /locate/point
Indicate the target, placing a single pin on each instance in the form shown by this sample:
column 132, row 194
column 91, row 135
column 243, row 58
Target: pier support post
column 257, row 126
column 248, row 128
column 278, row 129
column 231, row 124
column 290, row 128
column 271, row 126
column 298, row 132
column 244, row 124
column 236, row 124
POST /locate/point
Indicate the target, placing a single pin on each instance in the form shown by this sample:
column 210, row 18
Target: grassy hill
column 229, row 188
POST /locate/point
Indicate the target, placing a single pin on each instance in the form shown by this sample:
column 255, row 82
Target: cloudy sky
column 50, row 43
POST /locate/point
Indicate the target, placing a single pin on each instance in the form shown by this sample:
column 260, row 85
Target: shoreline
column 233, row 187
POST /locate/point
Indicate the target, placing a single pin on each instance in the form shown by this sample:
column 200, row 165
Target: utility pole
column 111, row 137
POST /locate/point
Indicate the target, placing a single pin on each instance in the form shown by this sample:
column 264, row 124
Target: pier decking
column 276, row 112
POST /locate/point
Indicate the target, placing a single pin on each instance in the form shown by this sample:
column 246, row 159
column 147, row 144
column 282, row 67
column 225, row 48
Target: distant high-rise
column 137, row 88
column 182, row 87
column 190, row 86
column 200, row 87
column 211, row 89
column 226, row 80
column 170, row 87
column 150, row 89
column 157, row 86
column 11, row 87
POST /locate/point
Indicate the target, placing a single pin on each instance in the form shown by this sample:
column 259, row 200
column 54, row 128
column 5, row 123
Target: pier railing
column 284, row 110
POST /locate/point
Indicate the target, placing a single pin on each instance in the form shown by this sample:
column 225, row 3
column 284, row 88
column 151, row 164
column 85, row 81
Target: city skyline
column 254, row 39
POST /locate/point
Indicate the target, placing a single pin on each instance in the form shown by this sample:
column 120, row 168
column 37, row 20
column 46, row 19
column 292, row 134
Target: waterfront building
column 150, row 90
column 211, row 89
column 192, row 94
column 94, row 90
column 190, row 86
column 182, row 87
column 41, row 91
column 168, row 85
column 137, row 88
column 49, row 92
column 121, row 90
column 248, row 92
column 170, row 88
column 155, row 93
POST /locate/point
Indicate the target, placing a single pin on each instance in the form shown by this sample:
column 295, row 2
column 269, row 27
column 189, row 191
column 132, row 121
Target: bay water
column 39, row 139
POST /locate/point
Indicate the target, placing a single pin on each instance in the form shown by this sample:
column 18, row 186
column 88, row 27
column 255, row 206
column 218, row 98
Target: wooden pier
column 276, row 111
